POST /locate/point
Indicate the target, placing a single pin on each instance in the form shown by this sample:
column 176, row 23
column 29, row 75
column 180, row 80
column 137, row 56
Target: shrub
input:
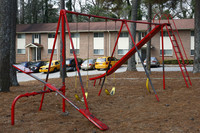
column 176, row 61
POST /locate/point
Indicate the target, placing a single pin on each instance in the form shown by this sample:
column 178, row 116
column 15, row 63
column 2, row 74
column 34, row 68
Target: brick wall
column 109, row 42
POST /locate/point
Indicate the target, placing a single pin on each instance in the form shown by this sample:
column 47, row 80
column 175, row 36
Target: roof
column 182, row 24
column 34, row 45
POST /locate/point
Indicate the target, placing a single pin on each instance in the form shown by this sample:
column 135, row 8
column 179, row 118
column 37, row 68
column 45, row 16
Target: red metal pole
column 113, row 19
column 54, row 44
column 140, row 58
column 100, row 81
column 20, row 96
column 72, row 45
column 63, row 56
column 131, row 52
column 163, row 58
column 94, row 82
column 179, row 37
column 111, row 57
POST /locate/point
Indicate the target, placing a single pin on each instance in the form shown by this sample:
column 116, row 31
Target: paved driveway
column 23, row 77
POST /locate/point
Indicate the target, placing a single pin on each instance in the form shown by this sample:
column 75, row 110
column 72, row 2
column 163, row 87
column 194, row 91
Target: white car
column 88, row 64
column 154, row 62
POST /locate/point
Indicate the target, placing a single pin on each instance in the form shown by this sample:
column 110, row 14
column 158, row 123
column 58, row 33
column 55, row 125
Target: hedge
column 176, row 61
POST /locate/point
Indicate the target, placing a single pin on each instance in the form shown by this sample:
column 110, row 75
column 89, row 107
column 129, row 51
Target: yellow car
column 55, row 66
column 102, row 62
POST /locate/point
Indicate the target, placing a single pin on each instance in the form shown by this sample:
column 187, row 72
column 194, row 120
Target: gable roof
column 34, row 45
column 182, row 24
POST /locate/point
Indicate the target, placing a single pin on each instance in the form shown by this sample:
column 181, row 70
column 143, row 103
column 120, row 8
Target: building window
column 143, row 34
column 76, row 51
column 167, row 52
column 99, row 43
column 192, row 52
column 99, row 34
column 21, row 51
column 122, row 51
column 123, row 34
column 76, row 42
column 98, row 51
column 192, row 43
column 51, row 37
column 20, row 35
column 21, row 41
column 165, row 34
column 123, row 43
column 50, row 51
column 36, row 35
column 192, row 33
column 36, row 38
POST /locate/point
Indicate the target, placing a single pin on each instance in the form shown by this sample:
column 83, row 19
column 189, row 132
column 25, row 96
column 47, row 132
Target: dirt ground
column 131, row 109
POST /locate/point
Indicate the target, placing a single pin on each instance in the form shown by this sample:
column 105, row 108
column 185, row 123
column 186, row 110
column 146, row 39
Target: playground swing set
column 61, row 91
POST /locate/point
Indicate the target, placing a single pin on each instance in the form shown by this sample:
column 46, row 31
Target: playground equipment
column 85, row 112
column 157, row 27
column 173, row 35
column 61, row 91
column 137, row 46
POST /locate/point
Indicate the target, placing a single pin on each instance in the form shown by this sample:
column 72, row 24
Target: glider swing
column 63, row 20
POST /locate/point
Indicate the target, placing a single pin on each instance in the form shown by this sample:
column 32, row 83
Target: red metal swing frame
column 63, row 20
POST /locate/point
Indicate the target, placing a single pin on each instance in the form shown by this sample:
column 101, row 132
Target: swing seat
column 147, row 85
column 86, row 95
column 107, row 92
column 82, row 99
column 77, row 97
column 93, row 119
column 112, row 92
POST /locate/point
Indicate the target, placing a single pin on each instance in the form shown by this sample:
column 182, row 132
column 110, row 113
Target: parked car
column 88, row 64
column 26, row 63
column 55, row 66
column 36, row 65
column 71, row 65
column 102, row 62
column 154, row 62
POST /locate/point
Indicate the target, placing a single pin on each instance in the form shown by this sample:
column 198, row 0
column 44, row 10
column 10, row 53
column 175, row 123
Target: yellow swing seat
column 147, row 85
column 112, row 92
column 82, row 99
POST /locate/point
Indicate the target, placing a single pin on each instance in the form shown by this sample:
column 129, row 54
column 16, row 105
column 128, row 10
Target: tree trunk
column 46, row 11
column 34, row 10
column 196, row 67
column 5, row 34
column 21, row 11
column 148, row 63
column 69, row 7
column 13, row 76
column 43, row 12
column 131, row 61
column 30, row 11
column 62, row 69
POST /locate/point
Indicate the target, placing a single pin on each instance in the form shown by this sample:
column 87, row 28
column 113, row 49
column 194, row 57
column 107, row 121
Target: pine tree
column 5, row 40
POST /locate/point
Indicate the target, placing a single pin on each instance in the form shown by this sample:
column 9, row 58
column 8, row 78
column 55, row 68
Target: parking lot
column 23, row 77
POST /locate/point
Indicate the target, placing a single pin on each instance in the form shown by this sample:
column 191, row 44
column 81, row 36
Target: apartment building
column 95, row 39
